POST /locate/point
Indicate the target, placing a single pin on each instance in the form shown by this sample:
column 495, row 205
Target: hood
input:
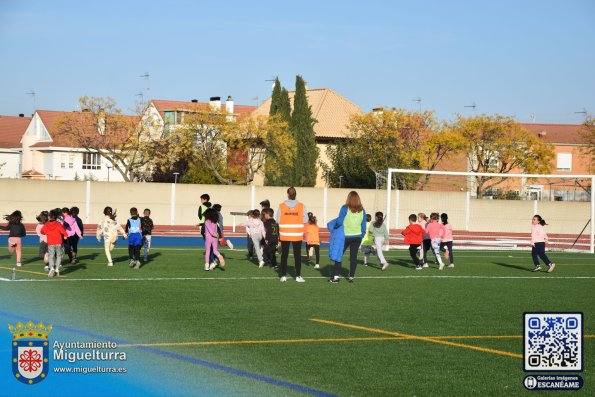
column 291, row 203
column 52, row 225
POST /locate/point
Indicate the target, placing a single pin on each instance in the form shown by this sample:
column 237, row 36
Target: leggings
column 353, row 243
column 297, row 256
column 211, row 246
column 18, row 247
column 448, row 245
column 539, row 251
column 316, row 251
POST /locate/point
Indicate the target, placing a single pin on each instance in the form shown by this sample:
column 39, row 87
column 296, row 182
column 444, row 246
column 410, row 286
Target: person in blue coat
column 336, row 242
column 352, row 218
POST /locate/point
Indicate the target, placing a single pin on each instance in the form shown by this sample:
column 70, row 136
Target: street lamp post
column 176, row 177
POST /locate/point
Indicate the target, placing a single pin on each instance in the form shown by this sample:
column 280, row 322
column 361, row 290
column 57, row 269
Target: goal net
column 494, row 211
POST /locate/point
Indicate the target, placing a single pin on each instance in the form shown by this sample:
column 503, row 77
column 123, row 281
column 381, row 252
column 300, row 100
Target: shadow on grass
column 92, row 256
column 72, row 268
column 150, row 259
column 524, row 268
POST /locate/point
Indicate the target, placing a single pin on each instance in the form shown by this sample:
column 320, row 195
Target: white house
column 47, row 155
column 11, row 130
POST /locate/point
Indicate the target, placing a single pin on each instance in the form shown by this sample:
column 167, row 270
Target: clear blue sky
column 513, row 57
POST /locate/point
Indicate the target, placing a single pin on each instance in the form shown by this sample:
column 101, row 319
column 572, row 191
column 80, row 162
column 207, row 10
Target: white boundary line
column 276, row 278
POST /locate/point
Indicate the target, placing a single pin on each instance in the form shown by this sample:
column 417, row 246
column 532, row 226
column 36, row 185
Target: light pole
column 176, row 177
column 109, row 167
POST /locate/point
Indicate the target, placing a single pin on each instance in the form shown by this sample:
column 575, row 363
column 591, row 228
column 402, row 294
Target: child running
column 312, row 237
column 256, row 229
column 74, row 211
column 74, row 235
column 135, row 238
column 146, row 224
column 435, row 230
column 42, row 218
column 109, row 229
column 538, row 240
column 212, row 239
column 380, row 234
column 414, row 236
column 55, row 233
column 367, row 246
column 16, row 231
column 422, row 219
column 446, row 243
column 271, row 237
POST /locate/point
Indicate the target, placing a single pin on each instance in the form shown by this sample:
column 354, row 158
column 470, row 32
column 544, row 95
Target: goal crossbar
column 392, row 171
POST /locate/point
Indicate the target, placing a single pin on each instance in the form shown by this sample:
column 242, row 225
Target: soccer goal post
column 495, row 203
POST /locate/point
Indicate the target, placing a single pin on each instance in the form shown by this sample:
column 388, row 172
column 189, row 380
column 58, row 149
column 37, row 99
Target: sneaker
column 137, row 265
column 300, row 279
column 51, row 273
column 418, row 267
column 441, row 267
column 261, row 265
column 350, row 279
column 334, row 280
column 536, row 268
column 207, row 267
column 276, row 268
column 283, row 279
column 551, row 267
column 212, row 265
column 451, row 266
column 46, row 268
column 426, row 265
column 19, row 264
column 317, row 266
column 385, row 266
column 365, row 264
column 132, row 263
column 110, row 264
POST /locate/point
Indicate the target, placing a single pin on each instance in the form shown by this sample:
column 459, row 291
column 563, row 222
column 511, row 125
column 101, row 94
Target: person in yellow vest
column 291, row 216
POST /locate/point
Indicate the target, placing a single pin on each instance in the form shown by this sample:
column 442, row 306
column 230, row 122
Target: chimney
column 229, row 104
column 215, row 102
column 194, row 101
column 21, row 114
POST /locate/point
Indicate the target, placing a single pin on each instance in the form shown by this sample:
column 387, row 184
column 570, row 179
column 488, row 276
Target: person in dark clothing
column 16, row 231
column 147, row 226
column 74, row 212
column 271, row 238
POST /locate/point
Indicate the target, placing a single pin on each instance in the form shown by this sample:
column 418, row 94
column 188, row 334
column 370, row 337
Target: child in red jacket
column 55, row 233
column 414, row 237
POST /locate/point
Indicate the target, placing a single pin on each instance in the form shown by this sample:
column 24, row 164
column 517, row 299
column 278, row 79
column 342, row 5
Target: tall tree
column 347, row 167
column 101, row 127
column 278, row 170
column 302, row 127
column 499, row 144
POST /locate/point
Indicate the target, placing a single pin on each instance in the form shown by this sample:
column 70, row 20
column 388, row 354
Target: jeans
column 539, row 251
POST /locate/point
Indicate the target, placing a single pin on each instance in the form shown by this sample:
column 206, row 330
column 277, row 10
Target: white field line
column 317, row 277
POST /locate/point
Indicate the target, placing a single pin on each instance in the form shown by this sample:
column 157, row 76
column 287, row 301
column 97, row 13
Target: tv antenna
column 532, row 117
column 147, row 78
column 32, row 93
column 418, row 100
column 472, row 106
column 141, row 96
column 273, row 79
column 583, row 112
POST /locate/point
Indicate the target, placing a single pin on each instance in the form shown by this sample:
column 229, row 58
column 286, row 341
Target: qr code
column 553, row 342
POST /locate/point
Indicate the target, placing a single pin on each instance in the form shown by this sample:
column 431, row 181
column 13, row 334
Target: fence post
column 467, row 210
column 173, row 203
column 88, row 202
column 324, row 203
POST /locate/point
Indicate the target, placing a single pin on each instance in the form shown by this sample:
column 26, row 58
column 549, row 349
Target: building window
column 67, row 161
column 91, row 161
column 564, row 162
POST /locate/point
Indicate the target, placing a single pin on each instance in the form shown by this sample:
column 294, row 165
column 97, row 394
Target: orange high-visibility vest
column 291, row 222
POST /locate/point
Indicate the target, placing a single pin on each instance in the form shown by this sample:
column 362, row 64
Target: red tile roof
column 568, row 134
column 11, row 130
column 162, row 106
column 50, row 119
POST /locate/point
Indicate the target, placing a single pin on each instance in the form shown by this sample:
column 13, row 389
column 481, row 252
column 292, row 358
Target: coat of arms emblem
column 30, row 352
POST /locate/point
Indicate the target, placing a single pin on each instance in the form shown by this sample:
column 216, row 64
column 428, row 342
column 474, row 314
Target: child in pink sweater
column 435, row 231
column 212, row 238
column 538, row 239
column 446, row 243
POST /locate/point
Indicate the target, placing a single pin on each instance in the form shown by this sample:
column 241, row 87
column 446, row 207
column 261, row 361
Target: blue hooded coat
column 337, row 240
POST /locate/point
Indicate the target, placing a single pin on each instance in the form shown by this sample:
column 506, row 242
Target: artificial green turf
column 247, row 303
